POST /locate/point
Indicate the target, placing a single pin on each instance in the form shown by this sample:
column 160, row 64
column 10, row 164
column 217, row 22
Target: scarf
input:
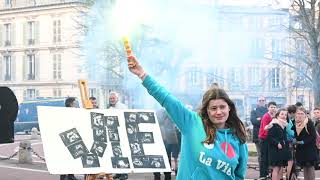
column 301, row 125
column 280, row 122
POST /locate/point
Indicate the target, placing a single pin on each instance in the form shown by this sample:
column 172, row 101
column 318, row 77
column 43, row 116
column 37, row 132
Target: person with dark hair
column 94, row 103
column 316, row 118
column 298, row 104
column 255, row 118
column 263, row 133
column 213, row 140
column 69, row 102
column 290, row 136
column 8, row 113
column 306, row 150
column 278, row 146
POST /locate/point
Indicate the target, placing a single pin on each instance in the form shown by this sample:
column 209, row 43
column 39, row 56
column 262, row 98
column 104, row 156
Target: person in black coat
column 278, row 144
column 306, row 150
column 69, row 102
column 256, row 115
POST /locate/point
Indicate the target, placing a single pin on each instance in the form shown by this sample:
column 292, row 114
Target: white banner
column 82, row 141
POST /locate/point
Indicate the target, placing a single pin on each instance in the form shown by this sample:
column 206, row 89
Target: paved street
column 12, row 170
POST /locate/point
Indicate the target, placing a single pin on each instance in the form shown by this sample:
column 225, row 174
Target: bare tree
column 307, row 28
column 304, row 29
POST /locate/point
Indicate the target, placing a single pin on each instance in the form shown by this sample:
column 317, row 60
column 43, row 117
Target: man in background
column 115, row 104
column 114, row 101
column 94, row 103
column 316, row 118
column 255, row 118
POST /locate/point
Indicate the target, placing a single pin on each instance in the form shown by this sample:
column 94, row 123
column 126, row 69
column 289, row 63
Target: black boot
column 71, row 177
column 167, row 176
column 157, row 176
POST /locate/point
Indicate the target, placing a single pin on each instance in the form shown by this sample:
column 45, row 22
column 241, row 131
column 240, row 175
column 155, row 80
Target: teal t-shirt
column 225, row 159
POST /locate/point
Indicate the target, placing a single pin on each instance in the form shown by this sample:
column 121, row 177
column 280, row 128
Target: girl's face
column 283, row 115
column 300, row 116
column 218, row 112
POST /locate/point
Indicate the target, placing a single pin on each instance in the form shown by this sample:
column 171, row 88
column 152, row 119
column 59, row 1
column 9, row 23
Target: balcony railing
column 31, row 41
column 31, row 77
column 7, row 43
column 7, row 77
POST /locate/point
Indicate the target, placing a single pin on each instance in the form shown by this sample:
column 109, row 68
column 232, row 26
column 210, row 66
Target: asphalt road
column 12, row 170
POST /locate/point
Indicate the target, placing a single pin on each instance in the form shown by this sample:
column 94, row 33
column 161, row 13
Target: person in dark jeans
column 255, row 118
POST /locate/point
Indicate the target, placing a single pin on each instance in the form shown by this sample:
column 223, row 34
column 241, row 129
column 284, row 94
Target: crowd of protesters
column 286, row 138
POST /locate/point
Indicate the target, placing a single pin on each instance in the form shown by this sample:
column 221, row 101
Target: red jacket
column 265, row 120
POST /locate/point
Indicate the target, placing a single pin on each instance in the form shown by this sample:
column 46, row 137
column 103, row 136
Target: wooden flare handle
column 83, row 85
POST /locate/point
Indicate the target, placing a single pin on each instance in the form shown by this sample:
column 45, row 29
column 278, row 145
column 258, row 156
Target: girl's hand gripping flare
column 135, row 67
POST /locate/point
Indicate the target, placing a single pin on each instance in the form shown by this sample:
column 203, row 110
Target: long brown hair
column 233, row 121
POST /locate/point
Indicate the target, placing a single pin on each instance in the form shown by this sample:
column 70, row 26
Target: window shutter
column 37, row 93
column 24, row 68
column 25, row 33
column 13, row 34
column 24, row 94
column 37, row 32
column 13, row 3
column 13, row 68
column 37, row 68
column 1, row 35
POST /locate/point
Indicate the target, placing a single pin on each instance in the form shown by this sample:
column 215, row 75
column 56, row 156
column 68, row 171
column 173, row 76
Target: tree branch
column 291, row 66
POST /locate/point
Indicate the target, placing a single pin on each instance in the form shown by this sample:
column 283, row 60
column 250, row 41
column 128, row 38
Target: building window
column 254, row 76
column 56, row 31
column 300, row 98
column 235, row 75
column 276, row 48
column 31, row 67
column 275, row 77
column 57, row 92
column 30, row 94
column 257, row 48
column 7, row 29
column 301, row 80
column 7, row 68
column 32, row 2
column 8, row 3
column 57, row 66
column 31, row 32
column 258, row 21
column 211, row 80
column 300, row 48
column 276, row 20
column 193, row 77
column 92, row 92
